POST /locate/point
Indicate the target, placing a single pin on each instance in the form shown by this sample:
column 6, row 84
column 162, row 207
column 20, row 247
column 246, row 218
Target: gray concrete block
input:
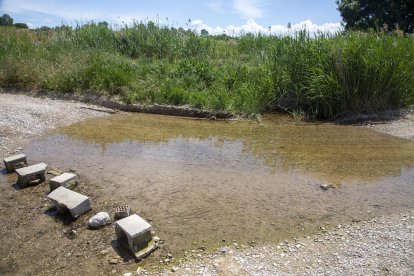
column 15, row 162
column 67, row 180
column 65, row 199
column 122, row 211
column 31, row 175
column 133, row 232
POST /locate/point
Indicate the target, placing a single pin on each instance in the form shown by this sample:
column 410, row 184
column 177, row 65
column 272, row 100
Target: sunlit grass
column 323, row 76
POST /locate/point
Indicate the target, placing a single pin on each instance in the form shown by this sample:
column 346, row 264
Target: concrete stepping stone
column 31, row 175
column 133, row 232
column 67, row 180
column 15, row 162
column 68, row 200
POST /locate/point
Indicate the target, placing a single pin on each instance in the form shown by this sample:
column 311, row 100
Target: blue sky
column 216, row 16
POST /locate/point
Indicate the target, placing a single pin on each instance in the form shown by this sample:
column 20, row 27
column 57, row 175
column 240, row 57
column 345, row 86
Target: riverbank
column 381, row 245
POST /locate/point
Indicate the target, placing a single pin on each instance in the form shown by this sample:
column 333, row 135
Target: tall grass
column 323, row 76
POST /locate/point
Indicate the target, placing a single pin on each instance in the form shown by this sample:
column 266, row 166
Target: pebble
column 224, row 250
column 324, row 187
column 104, row 252
column 174, row 269
column 127, row 274
column 113, row 261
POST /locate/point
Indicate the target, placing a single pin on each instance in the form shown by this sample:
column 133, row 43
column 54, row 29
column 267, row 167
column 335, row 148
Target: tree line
column 7, row 20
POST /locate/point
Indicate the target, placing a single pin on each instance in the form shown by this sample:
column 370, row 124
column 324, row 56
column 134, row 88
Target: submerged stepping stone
column 34, row 174
column 133, row 232
column 68, row 200
column 15, row 162
column 67, row 180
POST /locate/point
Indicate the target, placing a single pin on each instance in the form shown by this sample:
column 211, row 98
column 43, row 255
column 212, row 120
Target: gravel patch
column 23, row 117
column 401, row 126
column 380, row 246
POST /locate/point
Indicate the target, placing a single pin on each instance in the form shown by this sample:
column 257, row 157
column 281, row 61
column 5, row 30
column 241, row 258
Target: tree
column 6, row 20
column 375, row 14
column 204, row 32
column 21, row 25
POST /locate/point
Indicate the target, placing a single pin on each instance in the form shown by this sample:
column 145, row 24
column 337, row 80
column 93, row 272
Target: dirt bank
column 31, row 244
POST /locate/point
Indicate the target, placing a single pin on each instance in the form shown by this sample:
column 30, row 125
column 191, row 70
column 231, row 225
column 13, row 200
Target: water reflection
column 333, row 153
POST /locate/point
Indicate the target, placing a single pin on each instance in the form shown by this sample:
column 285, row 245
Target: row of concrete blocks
column 131, row 231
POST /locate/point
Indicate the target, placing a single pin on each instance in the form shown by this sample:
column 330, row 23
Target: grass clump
column 320, row 76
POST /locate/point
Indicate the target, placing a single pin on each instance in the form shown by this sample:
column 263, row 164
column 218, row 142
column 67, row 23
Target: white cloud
column 69, row 14
column 252, row 26
column 249, row 8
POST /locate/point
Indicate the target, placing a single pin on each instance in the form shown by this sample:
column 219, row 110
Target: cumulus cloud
column 249, row 8
column 251, row 26
column 68, row 13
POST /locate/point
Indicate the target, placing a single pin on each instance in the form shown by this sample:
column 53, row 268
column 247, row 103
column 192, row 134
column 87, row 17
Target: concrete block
column 68, row 200
column 133, row 232
column 15, row 162
column 122, row 211
column 31, row 175
column 67, row 180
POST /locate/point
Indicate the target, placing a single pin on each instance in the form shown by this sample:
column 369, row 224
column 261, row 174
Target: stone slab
column 143, row 253
column 133, row 232
column 34, row 174
column 14, row 162
column 65, row 199
column 67, row 180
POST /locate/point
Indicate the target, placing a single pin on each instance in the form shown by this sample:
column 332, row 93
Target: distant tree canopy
column 21, row 25
column 375, row 14
column 6, row 20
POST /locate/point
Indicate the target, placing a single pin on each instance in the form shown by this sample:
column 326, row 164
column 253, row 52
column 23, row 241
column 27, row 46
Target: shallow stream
column 204, row 182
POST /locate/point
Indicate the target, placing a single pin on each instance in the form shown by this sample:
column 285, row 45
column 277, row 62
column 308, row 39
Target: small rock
column 127, row 274
column 71, row 234
column 223, row 250
column 174, row 269
column 113, row 271
column 156, row 239
column 324, row 187
column 99, row 220
column 104, row 252
column 113, row 261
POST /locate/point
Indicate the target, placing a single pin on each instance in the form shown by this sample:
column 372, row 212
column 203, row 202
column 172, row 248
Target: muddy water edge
column 210, row 183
